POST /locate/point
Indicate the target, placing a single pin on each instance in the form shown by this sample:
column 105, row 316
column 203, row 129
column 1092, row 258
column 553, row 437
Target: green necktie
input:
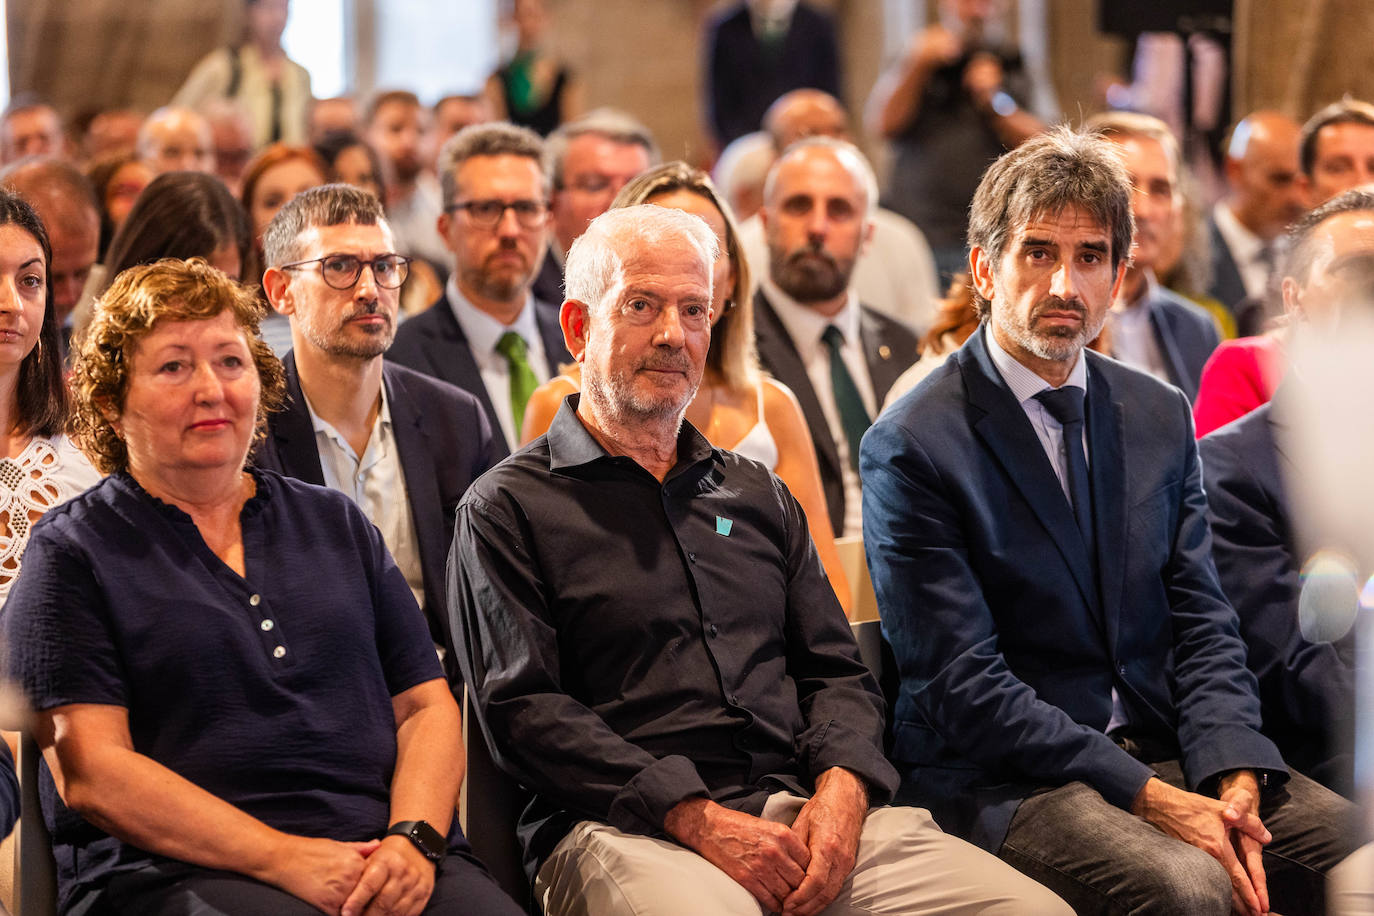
column 853, row 415
column 522, row 378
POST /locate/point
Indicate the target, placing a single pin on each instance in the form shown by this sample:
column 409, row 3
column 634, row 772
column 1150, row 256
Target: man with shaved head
column 896, row 273
column 66, row 203
column 1264, row 195
column 177, row 139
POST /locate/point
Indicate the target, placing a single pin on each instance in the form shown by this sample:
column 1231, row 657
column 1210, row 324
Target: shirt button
column 279, row 651
column 255, row 600
column 734, row 699
column 266, row 625
column 714, row 629
column 1121, row 670
column 692, row 557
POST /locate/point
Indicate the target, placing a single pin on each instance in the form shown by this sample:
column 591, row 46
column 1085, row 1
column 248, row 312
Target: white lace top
column 47, row 473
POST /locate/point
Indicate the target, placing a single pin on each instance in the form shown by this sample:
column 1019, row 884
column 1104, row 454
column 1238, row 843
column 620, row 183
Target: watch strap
column 429, row 841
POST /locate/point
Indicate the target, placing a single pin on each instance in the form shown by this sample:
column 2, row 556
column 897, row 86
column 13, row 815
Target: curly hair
column 135, row 304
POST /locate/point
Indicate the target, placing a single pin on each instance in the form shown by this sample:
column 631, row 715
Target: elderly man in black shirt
column 655, row 651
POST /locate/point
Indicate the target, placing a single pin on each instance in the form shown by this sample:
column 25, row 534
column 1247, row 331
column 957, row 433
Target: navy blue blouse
column 272, row 691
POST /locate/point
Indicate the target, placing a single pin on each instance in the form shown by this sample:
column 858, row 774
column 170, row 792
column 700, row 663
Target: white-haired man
column 655, row 654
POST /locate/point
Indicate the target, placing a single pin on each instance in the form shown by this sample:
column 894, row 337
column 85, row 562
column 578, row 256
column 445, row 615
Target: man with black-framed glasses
column 489, row 335
column 355, row 424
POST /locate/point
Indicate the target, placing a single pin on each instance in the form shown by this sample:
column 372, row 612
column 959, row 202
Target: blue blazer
column 1307, row 689
column 444, row 442
column 1008, row 653
column 1186, row 335
column 433, row 342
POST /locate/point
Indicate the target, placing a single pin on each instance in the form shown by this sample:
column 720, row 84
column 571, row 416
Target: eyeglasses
column 342, row 271
column 487, row 214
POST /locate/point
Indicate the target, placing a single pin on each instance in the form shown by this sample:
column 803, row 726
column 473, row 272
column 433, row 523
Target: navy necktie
column 1066, row 405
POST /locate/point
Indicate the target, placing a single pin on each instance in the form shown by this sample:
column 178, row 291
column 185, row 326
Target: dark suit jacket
column 1226, row 287
column 742, row 79
column 548, row 284
column 1307, row 688
column 444, row 441
column 891, row 348
column 434, row 343
column 1008, row 652
column 1186, row 335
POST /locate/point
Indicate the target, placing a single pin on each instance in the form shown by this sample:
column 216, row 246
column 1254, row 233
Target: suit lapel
column 448, row 351
column 1168, row 348
column 779, row 355
column 882, row 368
column 422, row 487
column 1007, row 432
column 294, row 434
column 1107, row 470
column 551, row 333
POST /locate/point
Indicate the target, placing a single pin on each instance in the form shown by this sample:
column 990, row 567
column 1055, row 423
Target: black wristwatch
column 429, row 841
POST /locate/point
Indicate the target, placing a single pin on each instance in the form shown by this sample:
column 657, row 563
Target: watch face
column 430, row 841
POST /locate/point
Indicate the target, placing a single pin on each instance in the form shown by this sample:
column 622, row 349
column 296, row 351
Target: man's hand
column 321, row 872
column 829, row 824
column 764, row 858
column 397, row 881
column 1215, row 827
column 982, row 78
column 1240, row 793
column 934, row 47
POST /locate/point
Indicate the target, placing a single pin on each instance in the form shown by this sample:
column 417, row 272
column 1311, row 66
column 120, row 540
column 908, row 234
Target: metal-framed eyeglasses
column 487, row 214
column 341, row 271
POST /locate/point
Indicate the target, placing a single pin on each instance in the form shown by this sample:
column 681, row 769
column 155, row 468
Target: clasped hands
column 1228, row 829
column 797, row 870
column 387, row 877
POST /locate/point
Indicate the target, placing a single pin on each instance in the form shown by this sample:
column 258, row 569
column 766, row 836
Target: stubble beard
column 1057, row 344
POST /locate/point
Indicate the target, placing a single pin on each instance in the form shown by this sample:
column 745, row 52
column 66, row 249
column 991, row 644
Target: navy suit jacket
column 890, row 347
column 1186, row 336
column 742, row 79
column 1307, row 690
column 1007, row 651
column 1226, row 287
column 434, row 343
column 444, row 442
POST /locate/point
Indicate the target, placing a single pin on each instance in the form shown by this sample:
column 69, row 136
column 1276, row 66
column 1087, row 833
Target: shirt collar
column 1022, row 381
column 324, row 426
column 572, row 446
column 1245, row 245
column 483, row 331
column 805, row 325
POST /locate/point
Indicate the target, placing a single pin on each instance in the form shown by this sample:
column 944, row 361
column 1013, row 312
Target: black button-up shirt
column 631, row 644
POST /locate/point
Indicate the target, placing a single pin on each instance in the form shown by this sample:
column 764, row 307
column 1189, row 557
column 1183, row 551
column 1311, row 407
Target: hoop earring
column 38, row 350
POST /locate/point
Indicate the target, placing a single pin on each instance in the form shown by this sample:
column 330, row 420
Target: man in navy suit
column 1074, row 693
column 1306, row 684
column 1154, row 328
column 1264, row 195
column 370, row 430
column 488, row 335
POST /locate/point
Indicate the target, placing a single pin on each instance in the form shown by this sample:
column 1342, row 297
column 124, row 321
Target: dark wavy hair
column 179, row 215
column 41, row 395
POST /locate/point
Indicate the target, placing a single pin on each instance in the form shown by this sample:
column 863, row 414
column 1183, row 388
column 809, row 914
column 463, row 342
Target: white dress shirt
column 805, row 326
column 1025, row 385
column 1133, row 334
column 483, row 333
column 376, row 482
column 1249, row 251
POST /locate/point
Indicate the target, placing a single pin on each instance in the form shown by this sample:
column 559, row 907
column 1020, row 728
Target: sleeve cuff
column 645, row 801
column 836, row 745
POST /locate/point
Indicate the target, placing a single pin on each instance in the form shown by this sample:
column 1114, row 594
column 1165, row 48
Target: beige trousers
column 1350, row 885
column 905, row 865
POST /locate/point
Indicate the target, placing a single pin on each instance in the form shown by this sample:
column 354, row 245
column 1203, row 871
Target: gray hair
column 1132, row 125
column 144, row 145
column 1057, row 169
column 607, row 123
column 596, row 261
column 846, row 154
column 497, row 139
column 326, row 205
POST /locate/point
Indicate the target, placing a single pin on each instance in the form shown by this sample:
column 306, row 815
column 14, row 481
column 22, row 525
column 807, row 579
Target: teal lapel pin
column 723, row 526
